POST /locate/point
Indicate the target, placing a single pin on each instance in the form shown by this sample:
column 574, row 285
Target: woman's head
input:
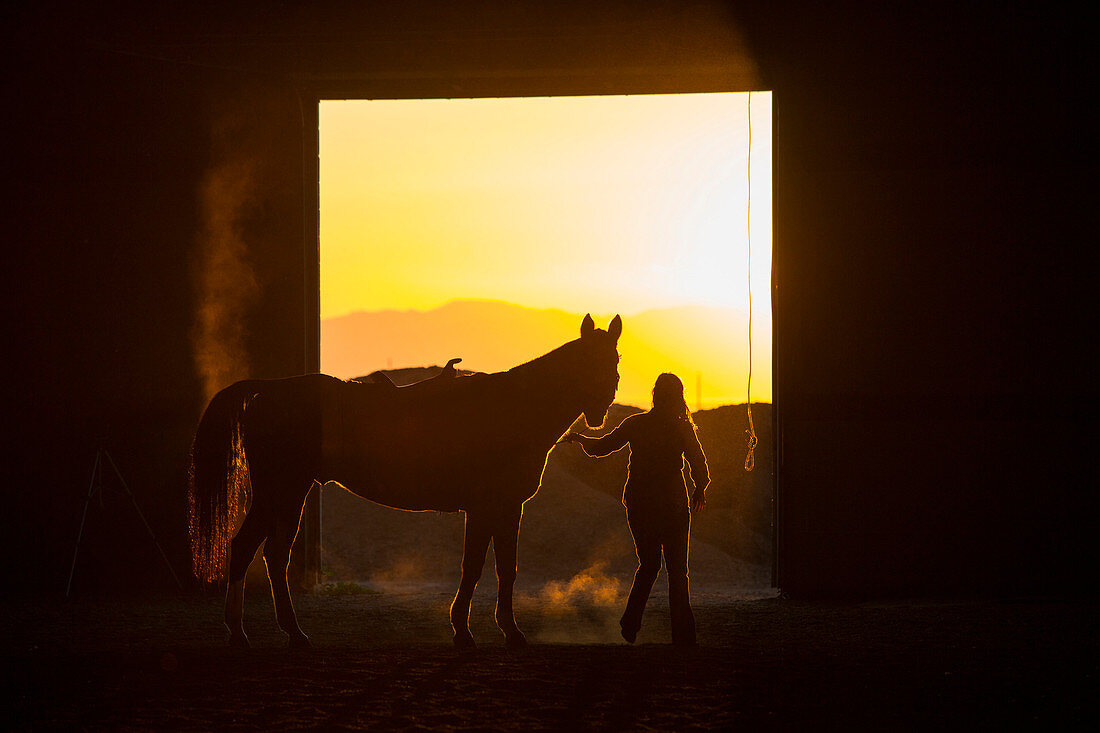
column 668, row 397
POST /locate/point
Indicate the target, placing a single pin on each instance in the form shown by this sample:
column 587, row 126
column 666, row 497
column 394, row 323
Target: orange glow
column 632, row 205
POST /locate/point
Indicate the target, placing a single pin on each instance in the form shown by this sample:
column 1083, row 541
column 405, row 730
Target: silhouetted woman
column 656, row 499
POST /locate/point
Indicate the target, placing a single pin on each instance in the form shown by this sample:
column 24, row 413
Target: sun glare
column 634, row 205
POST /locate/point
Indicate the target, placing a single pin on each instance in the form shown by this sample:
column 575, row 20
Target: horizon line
column 546, row 309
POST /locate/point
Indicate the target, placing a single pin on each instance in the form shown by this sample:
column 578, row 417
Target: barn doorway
column 485, row 229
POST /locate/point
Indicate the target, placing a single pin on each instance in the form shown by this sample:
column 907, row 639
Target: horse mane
column 542, row 362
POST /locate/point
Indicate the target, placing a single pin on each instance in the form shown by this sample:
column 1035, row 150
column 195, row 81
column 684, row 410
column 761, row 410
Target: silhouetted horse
column 477, row 444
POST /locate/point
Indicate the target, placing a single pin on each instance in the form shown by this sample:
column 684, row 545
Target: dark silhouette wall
column 930, row 304
column 929, row 372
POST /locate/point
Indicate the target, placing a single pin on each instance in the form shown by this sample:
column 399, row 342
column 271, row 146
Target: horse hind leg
column 277, row 556
column 242, row 550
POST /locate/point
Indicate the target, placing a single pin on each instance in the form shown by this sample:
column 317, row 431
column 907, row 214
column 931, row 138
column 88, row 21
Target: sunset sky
column 613, row 204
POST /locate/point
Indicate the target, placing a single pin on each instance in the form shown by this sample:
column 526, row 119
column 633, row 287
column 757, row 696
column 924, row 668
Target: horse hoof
column 239, row 641
column 465, row 642
column 515, row 641
column 299, row 643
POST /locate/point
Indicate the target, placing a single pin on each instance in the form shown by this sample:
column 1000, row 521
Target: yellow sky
column 606, row 205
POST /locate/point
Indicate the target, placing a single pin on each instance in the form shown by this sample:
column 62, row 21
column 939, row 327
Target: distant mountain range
column 494, row 336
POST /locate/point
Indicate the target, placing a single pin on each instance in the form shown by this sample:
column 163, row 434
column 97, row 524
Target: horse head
column 599, row 367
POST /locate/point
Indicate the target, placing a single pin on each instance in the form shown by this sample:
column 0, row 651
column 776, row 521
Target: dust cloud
column 582, row 610
column 225, row 282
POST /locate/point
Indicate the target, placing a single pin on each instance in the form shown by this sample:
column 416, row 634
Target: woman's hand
column 698, row 500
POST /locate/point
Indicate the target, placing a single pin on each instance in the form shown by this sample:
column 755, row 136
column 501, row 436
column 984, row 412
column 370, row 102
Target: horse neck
column 544, row 394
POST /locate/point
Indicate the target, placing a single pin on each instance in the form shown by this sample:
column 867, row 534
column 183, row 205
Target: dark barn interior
column 930, row 280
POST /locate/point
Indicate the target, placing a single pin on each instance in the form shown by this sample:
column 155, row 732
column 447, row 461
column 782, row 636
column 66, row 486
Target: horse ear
column 587, row 325
column 615, row 328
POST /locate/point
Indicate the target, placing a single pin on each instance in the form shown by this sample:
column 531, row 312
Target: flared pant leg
column 647, row 545
column 675, row 545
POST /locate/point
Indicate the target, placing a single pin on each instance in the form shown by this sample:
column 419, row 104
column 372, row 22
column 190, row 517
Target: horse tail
column 218, row 480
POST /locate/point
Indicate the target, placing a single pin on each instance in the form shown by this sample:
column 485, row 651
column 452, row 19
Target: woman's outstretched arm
column 604, row 445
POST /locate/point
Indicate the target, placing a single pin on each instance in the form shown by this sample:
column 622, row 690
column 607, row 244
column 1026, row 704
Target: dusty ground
column 384, row 661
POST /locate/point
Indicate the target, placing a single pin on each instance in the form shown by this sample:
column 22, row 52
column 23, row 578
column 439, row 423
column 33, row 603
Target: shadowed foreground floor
column 384, row 661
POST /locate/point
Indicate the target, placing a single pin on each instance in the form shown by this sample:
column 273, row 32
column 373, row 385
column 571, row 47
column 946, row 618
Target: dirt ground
column 384, row 661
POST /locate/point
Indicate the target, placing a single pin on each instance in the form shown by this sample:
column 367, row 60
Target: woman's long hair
column 668, row 398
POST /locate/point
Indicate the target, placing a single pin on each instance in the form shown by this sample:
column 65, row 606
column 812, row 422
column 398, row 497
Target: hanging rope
column 750, row 457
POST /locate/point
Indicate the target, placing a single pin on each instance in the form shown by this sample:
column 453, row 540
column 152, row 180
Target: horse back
column 435, row 445
column 442, row 445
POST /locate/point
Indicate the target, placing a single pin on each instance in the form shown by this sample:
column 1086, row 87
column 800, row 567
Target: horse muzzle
column 595, row 418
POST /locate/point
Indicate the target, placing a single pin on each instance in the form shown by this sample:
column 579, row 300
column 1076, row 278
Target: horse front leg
column 478, row 532
column 505, row 548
